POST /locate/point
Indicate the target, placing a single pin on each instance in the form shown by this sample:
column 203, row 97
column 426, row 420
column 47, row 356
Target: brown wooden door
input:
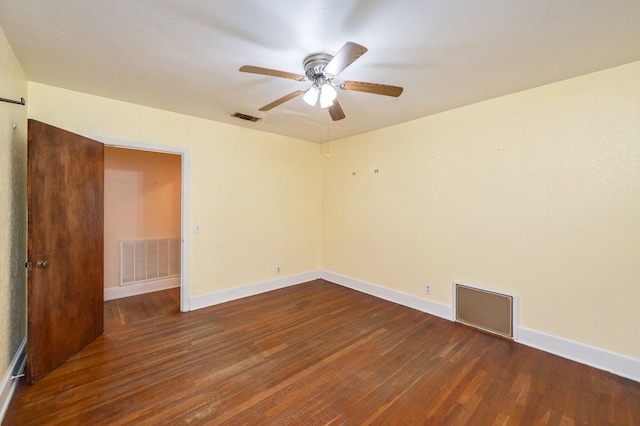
column 65, row 246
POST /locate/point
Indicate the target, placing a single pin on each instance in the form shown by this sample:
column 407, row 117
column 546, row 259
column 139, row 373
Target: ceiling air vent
column 245, row 117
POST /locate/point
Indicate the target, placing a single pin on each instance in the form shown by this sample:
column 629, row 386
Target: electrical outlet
column 277, row 269
column 427, row 289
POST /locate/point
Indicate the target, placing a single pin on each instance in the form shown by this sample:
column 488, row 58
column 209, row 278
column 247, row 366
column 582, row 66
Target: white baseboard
column 404, row 299
column 8, row 384
column 601, row 359
column 111, row 293
column 222, row 296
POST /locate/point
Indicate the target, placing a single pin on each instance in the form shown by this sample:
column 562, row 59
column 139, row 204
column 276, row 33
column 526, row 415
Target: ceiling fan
column 321, row 69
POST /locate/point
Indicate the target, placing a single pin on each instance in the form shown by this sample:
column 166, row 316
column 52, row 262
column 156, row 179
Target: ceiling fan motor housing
column 314, row 65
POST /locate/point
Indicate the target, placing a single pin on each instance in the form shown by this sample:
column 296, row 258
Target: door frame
column 184, row 208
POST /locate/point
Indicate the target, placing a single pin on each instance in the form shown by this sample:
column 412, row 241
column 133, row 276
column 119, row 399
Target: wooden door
column 65, row 294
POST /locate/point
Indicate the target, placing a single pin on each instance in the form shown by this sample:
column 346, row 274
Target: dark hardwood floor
column 315, row 353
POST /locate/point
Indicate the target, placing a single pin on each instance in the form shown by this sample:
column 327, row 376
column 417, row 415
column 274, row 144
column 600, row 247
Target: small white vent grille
column 147, row 260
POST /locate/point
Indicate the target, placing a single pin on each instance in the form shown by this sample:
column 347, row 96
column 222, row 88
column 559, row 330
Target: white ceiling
column 184, row 55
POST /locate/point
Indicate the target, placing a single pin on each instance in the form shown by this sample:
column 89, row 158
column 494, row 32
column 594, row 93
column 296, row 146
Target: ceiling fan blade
column 335, row 111
column 281, row 100
column 272, row 73
column 378, row 89
column 345, row 57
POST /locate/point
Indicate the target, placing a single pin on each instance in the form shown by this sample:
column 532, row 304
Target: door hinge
column 29, row 266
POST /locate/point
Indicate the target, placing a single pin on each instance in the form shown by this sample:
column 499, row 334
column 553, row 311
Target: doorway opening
column 159, row 237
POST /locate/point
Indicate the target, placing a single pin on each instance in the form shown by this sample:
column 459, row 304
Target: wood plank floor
column 313, row 354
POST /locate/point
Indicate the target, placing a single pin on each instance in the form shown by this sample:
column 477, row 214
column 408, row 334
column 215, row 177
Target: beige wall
column 141, row 201
column 535, row 193
column 13, row 206
column 255, row 195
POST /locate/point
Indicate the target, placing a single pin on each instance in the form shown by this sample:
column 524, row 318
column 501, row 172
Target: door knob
column 42, row 264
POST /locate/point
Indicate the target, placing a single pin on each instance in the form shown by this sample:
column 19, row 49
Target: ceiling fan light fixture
column 311, row 95
column 327, row 95
column 320, row 69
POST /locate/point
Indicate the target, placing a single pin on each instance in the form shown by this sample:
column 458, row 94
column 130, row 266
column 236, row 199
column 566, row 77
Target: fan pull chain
column 328, row 146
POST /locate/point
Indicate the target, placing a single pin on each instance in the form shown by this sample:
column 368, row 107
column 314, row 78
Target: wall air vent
column 488, row 310
column 147, row 260
column 245, row 117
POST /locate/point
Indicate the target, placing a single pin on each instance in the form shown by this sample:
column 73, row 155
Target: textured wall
column 256, row 195
column 13, row 206
column 535, row 193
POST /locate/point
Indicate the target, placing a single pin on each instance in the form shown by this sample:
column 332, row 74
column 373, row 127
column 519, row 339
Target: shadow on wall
column 18, row 238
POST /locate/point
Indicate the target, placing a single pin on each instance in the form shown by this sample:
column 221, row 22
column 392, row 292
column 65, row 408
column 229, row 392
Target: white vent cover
column 147, row 260
column 488, row 310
